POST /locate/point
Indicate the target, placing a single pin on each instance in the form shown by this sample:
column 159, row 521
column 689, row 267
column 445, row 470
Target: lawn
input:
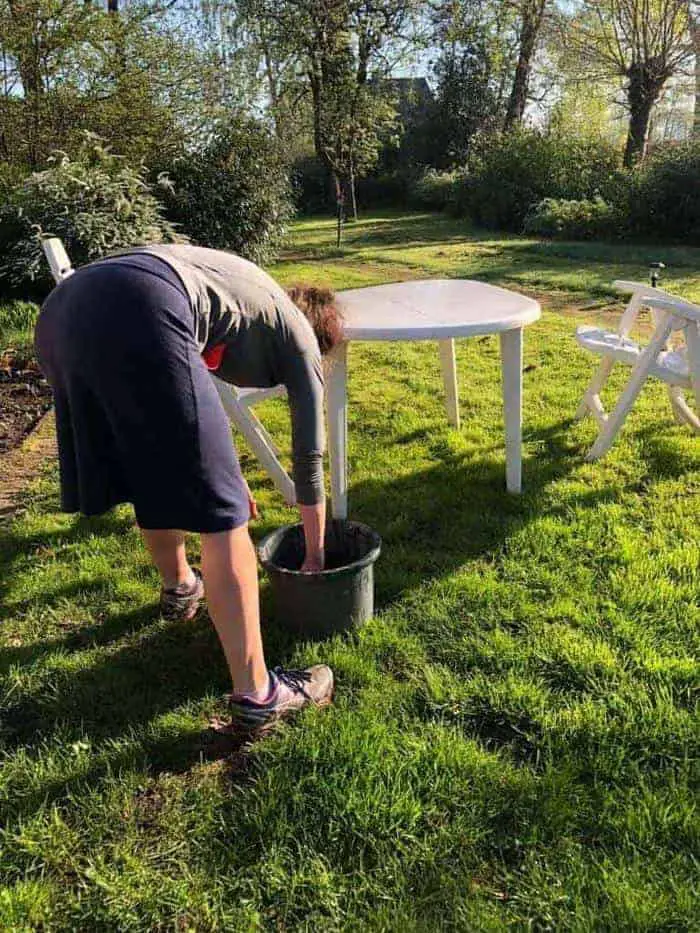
column 513, row 743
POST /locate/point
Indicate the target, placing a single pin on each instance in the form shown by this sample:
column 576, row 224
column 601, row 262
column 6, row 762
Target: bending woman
column 126, row 343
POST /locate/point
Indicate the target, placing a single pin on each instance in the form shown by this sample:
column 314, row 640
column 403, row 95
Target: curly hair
column 320, row 309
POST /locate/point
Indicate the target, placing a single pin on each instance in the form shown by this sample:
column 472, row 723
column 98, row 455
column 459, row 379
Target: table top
column 433, row 309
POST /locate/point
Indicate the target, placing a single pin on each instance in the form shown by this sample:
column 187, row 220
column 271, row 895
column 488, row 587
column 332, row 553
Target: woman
column 125, row 343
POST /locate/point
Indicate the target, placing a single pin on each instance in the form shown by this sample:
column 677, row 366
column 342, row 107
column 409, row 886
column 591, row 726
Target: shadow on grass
column 432, row 522
column 435, row 520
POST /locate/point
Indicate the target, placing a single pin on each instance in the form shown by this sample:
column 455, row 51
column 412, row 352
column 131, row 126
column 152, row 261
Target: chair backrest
column 640, row 293
column 685, row 311
column 57, row 257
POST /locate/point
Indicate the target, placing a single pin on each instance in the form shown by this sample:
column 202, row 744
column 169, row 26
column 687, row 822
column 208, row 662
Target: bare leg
column 167, row 550
column 231, row 581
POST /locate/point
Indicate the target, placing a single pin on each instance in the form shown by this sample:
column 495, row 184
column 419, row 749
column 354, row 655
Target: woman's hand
column 314, row 520
column 313, row 563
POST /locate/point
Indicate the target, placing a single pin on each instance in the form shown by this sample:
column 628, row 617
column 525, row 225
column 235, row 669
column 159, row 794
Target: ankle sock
column 259, row 696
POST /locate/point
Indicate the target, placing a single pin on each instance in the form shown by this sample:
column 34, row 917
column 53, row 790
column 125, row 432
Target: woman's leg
column 230, row 574
column 167, row 550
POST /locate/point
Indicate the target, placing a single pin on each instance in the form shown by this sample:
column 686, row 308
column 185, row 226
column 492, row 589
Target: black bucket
column 339, row 598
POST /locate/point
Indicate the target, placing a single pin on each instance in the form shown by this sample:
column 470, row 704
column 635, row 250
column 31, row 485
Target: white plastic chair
column 236, row 402
column 678, row 367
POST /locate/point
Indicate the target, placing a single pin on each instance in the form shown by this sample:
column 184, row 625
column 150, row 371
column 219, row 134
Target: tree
column 472, row 72
column 137, row 76
column 643, row 43
column 340, row 51
column 694, row 26
column 531, row 15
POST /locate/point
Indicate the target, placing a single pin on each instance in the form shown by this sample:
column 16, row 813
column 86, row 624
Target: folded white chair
column 237, row 402
column 678, row 367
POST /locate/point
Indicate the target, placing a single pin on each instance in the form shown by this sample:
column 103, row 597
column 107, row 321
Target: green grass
column 513, row 742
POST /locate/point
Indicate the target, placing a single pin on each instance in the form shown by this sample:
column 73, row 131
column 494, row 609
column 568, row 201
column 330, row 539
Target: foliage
column 96, row 203
column 17, row 319
column 233, row 194
column 340, row 49
column 665, row 198
column 466, row 103
column 472, row 71
column 311, row 185
column 435, row 191
column 385, row 189
column 640, row 43
column 129, row 75
column 510, row 173
column 587, row 219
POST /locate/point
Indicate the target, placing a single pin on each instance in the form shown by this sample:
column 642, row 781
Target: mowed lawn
column 514, row 738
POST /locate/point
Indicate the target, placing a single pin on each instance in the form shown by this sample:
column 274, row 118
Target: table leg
column 449, row 378
column 512, row 375
column 337, row 403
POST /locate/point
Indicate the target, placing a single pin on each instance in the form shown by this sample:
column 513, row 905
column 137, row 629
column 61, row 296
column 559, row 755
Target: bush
column 314, row 192
column 10, row 177
column 509, row 174
column 388, row 189
column 665, row 197
column 95, row 203
column 17, row 320
column 311, row 186
column 234, row 194
column 592, row 219
column 434, row 191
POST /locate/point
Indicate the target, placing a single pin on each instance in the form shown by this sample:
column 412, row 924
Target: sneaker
column 180, row 604
column 290, row 691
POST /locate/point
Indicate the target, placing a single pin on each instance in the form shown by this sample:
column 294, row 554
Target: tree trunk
column 694, row 20
column 353, row 194
column 532, row 12
column 642, row 92
column 696, row 111
column 272, row 88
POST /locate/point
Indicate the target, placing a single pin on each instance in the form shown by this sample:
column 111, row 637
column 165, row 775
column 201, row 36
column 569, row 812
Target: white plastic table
column 433, row 309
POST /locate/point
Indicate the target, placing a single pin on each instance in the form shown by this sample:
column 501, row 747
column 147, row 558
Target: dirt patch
column 24, row 397
column 18, row 467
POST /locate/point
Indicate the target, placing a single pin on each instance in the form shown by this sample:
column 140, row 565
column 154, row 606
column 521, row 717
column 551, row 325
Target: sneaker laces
column 295, row 680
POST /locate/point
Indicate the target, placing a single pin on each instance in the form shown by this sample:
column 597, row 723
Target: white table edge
column 445, row 332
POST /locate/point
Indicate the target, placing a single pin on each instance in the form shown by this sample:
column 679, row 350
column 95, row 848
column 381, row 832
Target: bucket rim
column 278, row 533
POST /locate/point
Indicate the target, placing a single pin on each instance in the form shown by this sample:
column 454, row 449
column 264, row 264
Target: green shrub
column 17, row 320
column 234, row 194
column 95, row 203
column 385, row 189
column 314, row 192
column 509, row 174
column 10, row 177
column 587, row 219
column 434, row 191
column 311, row 186
column 665, row 197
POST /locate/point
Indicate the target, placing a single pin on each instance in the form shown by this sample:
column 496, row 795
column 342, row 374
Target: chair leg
column 675, row 396
column 692, row 334
column 449, row 378
column 249, row 425
column 337, row 403
column 681, row 412
column 629, row 395
column 262, row 430
column 591, row 397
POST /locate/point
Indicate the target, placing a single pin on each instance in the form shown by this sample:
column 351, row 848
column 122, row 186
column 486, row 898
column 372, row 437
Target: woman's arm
column 304, row 382
column 314, row 520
